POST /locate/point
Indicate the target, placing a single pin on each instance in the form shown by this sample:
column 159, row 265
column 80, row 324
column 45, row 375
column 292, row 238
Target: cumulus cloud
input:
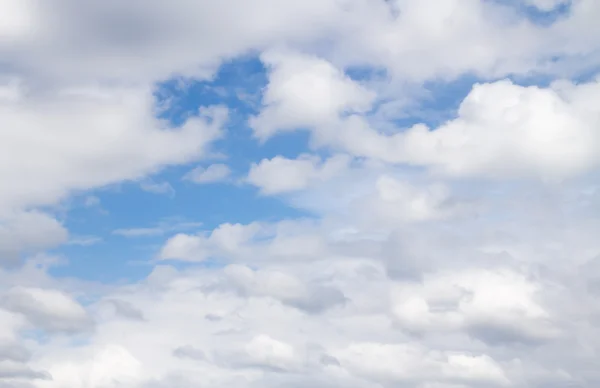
column 266, row 352
column 28, row 232
column 289, row 240
column 11, row 371
column 391, row 363
column 495, row 306
column 281, row 175
column 506, row 129
column 122, row 140
column 227, row 238
column 47, row 309
column 312, row 298
column 395, row 201
column 501, row 130
column 306, row 92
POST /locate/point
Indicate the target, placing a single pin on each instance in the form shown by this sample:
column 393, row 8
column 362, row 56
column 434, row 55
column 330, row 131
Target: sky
column 299, row 194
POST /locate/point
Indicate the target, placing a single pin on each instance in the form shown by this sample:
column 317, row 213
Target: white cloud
column 47, row 309
column 284, row 240
column 122, row 140
column 151, row 41
column 286, row 288
column 18, row 19
column 84, row 240
column 505, row 129
column 244, row 326
column 226, row 239
column 397, row 363
column 306, row 91
column 282, row 175
column 28, row 232
column 396, row 201
column 158, row 187
column 266, row 351
column 214, row 173
column 185, row 247
column 495, row 306
column 502, row 130
column 161, row 228
column 139, row 232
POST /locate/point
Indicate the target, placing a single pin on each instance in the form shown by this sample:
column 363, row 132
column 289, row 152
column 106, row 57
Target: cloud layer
column 411, row 251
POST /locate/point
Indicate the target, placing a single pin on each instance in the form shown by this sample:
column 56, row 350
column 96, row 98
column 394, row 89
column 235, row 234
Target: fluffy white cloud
column 226, row 239
column 286, row 288
column 238, row 325
column 502, row 130
column 505, row 129
column 265, row 351
column 408, row 364
column 282, row 175
column 28, row 232
column 496, row 306
column 185, row 247
column 256, row 242
column 306, row 91
column 72, row 41
column 90, row 138
column 47, row 308
column 145, row 41
column 395, row 201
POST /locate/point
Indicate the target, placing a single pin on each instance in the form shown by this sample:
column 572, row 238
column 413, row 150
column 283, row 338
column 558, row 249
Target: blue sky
column 128, row 206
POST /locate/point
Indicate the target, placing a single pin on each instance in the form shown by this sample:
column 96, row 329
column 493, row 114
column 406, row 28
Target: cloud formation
column 410, row 251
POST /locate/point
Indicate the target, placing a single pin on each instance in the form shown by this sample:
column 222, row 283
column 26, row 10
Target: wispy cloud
column 162, row 228
column 158, row 188
column 84, row 240
column 214, row 173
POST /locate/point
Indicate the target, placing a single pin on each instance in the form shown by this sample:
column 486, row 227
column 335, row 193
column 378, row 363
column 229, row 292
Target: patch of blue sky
column 589, row 74
column 197, row 207
column 127, row 206
column 238, row 85
column 541, row 17
column 442, row 100
column 546, row 18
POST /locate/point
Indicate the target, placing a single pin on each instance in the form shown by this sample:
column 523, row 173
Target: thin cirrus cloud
column 211, row 174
